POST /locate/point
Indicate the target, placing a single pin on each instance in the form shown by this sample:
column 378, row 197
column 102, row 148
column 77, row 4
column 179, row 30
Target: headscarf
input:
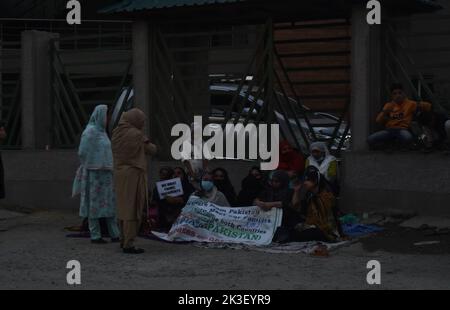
column 312, row 174
column 128, row 140
column 188, row 189
column 282, row 176
column 320, row 146
column 251, row 187
column 283, row 193
column 182, row 171
column 318, row 207
column 225, row 186
column 95, row 147
column 292, row 160
column 94, row 150
column 327, row 159
column 170, row 172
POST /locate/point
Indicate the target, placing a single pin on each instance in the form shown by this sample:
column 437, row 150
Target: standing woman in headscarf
column 325, row 163
column 94, row 179
column 223, row 184
column 130, row 149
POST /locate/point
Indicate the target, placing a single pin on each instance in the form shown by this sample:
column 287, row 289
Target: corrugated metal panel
column 429, row 3
column 137, row 5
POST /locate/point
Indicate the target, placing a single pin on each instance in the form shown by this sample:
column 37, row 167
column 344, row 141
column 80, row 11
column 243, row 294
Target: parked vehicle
column 222, row 96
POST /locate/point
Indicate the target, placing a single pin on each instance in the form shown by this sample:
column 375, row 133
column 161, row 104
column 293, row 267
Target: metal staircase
column 420, row 60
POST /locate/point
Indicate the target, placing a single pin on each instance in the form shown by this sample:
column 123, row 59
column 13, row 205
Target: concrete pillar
column 366, row 76
column 1, row 83
column 141, row 69
column 36, row 75
column 143, row 44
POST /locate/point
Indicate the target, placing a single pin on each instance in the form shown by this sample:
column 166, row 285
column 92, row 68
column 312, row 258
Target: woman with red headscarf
column 291, row 160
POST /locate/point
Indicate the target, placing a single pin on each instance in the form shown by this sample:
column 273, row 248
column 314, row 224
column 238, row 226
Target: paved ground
column 34, row 252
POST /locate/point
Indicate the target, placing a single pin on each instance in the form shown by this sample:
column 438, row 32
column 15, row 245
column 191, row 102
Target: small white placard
column 169, row 188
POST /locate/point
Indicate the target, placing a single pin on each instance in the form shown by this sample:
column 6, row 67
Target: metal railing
column 402, row 66
column 81, row 82
column 95, row 34
column 258, row 79
column 10, row 94
column 281, row 101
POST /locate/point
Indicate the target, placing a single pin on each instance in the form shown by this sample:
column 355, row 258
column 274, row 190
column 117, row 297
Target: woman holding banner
column 277, row 194
column 209, row 191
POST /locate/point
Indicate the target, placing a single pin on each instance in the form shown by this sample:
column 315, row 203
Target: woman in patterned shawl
column 94, row 179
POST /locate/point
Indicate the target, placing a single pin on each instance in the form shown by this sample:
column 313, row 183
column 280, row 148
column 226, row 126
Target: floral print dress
column 94, row 179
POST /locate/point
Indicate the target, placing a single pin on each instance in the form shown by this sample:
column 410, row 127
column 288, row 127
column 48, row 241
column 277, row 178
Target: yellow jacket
column 401, row 115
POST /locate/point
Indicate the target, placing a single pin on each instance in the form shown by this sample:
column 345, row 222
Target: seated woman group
column 305, row 189
column 309, row 209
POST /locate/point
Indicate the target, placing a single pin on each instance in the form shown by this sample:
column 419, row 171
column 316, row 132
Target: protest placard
column 169, row 188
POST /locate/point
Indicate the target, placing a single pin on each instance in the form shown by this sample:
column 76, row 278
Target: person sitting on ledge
column 396, row 118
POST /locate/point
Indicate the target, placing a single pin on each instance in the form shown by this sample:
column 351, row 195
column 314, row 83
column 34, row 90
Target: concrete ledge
column 374, row 181
column 371, row 181
column 43, row 179
column 40, row 179
column 27, row 165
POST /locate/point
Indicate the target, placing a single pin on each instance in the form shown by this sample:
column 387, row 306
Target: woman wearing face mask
column 314, row 202
column 210, row 193
column 223, row 184
column 325, row 163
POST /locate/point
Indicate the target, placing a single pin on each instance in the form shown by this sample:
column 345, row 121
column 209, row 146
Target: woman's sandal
column 99, row 241
column 133, row 250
